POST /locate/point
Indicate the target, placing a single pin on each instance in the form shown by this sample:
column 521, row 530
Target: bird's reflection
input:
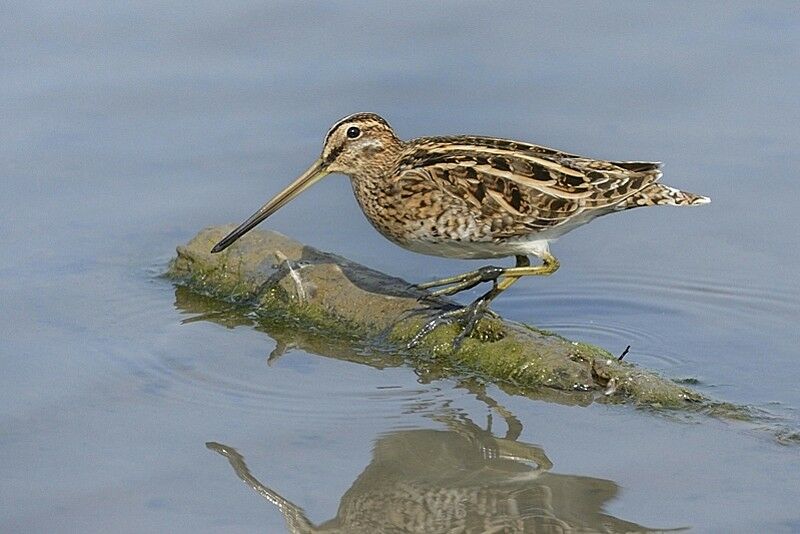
column 457, row 479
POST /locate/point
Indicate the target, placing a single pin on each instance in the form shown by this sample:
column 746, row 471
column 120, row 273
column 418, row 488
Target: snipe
column 475, row 198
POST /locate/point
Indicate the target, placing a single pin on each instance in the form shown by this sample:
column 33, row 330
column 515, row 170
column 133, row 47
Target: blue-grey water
column 125, row 128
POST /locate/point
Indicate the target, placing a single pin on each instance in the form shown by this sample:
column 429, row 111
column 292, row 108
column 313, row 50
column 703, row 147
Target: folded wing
column 520, row 187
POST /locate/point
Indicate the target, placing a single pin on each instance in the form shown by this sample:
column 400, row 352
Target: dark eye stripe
column 334, row 153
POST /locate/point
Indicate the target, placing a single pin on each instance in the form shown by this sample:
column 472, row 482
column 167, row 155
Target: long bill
column 316, row 172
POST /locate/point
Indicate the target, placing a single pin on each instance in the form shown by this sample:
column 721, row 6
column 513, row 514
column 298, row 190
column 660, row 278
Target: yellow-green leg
column 470, row 315
column 523, row 268
column 490, row 273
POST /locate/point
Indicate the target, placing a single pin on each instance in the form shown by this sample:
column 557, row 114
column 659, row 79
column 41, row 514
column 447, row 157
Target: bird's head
column 360, row 145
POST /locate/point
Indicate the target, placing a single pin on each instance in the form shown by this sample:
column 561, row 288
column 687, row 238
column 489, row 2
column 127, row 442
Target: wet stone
column 286, row 282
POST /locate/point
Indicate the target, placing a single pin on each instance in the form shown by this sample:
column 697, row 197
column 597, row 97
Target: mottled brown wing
column 527, row 186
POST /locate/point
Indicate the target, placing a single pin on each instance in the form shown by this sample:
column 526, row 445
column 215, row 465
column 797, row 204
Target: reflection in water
column 462, row 479
column 458, row 479
column 289, row 335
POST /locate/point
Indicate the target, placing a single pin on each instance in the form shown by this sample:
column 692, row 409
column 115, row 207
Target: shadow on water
column 461, row 479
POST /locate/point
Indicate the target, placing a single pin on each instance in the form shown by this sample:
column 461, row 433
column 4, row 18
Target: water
column 127, row 128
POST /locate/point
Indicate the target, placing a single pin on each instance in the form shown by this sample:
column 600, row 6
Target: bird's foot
column 468, row 317
column 462, row 282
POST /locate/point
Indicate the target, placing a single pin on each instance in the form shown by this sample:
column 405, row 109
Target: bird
column 473, row 197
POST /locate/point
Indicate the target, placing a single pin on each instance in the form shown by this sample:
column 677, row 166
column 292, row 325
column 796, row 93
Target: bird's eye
column 353, row 132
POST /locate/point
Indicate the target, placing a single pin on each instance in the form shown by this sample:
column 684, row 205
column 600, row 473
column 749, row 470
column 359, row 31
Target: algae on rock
column 287, row 283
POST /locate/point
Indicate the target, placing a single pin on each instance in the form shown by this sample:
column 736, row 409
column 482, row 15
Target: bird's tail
column 662, row 195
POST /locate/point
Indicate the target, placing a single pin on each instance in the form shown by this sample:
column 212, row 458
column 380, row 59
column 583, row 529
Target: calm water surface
column 126, row 128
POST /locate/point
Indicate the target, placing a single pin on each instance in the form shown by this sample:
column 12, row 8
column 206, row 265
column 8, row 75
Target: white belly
column 472, row 250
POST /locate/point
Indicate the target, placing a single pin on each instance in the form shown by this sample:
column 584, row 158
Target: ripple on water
column 597, row 309
column 695, row 296
column 323, row 394
column 649, row 349
column 329, row 390
column 214, row 354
